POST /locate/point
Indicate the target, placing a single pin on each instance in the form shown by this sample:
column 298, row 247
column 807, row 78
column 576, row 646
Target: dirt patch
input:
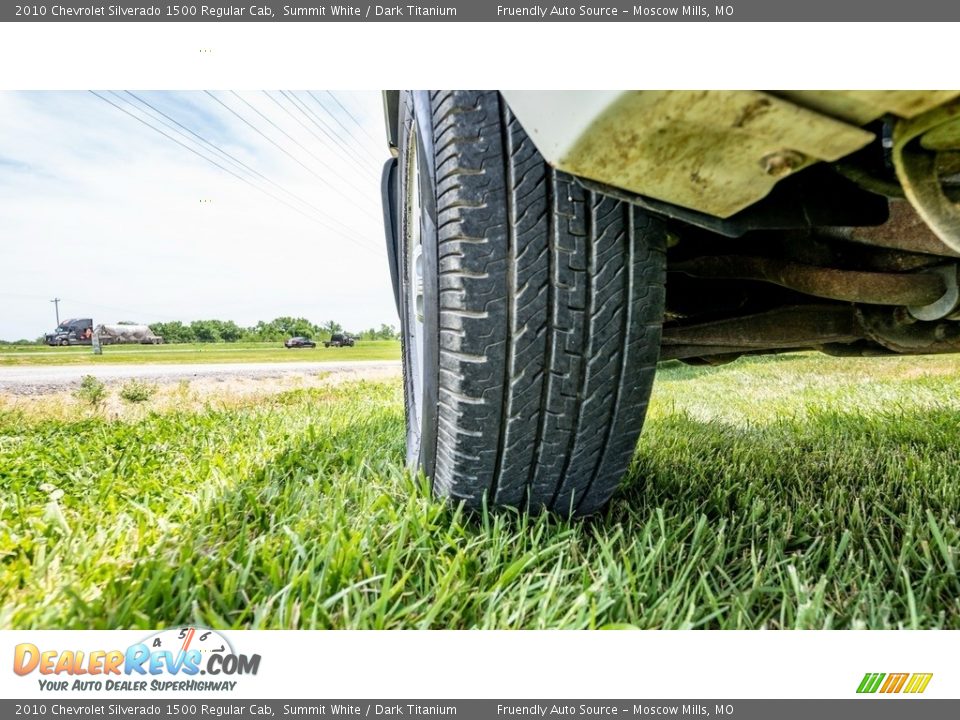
column 194, row 394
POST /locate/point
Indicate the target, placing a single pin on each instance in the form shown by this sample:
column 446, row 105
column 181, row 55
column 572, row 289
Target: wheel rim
column 413, row 246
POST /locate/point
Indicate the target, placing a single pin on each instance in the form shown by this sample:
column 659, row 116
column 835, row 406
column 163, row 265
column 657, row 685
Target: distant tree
column 331, row 327
column 174, row 332
column 387, row 332
column 211, row 331
column 285, row 327
column 303, row 328
column 206, row 331
column 263, row 332
column 230, row 331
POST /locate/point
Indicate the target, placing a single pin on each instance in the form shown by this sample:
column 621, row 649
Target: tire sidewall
column 416, row 126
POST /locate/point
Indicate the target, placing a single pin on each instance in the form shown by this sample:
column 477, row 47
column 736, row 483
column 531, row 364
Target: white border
column 511, row 55
column 546, row 664
column 355, row 56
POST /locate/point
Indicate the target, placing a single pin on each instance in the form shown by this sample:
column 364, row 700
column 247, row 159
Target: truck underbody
column 797, row 220
column 548, row 249
column 801, row 220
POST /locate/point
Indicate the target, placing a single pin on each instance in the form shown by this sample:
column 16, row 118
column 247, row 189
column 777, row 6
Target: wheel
column 64, row 342
column 531, row 311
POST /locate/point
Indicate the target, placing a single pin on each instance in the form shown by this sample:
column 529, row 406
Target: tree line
column 276, row 330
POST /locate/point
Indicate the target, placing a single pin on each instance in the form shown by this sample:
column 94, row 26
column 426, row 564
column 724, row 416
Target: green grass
column 195, row 353
column 801, row 492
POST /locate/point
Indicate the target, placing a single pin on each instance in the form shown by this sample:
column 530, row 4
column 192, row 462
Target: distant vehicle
column 80, row 331
column 76, row 331
column 339, row 340
column 299, row 342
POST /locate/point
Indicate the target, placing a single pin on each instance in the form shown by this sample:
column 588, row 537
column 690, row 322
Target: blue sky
column 123, row 223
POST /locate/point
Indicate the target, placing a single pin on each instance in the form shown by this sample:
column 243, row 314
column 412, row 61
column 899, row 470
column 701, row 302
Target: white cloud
column 104, row 212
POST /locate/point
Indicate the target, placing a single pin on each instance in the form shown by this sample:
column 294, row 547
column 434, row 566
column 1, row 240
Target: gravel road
column 39, row 380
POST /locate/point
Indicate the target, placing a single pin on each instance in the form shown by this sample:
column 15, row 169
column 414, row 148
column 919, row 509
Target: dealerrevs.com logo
column 892, row 683
column 170, row 660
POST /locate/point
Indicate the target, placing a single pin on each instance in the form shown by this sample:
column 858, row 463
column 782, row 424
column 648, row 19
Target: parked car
column 340, row 340
column 548, row 248
column 299, row 342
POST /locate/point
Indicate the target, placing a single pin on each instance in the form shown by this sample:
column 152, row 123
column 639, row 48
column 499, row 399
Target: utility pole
column 56, row 307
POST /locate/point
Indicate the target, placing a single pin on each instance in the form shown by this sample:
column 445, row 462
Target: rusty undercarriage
column 849, row 253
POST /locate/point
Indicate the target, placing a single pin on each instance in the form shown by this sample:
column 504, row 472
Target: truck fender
column 388, row 193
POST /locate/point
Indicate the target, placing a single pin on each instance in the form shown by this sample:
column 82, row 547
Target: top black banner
column 483, row 11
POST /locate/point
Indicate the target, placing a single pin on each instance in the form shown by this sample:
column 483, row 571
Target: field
column 800, row 492
column 195, row 353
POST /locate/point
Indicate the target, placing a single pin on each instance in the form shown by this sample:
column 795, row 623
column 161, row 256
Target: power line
column 243, row 165
column 376, row 159
column 352, row 137
column 323, row 106
column 288, row 153
column 195, row 152
column 183, row 127
column 352, row 117
column 224, row 169
column 356, row 160
column 56, row 308
column 292, row 99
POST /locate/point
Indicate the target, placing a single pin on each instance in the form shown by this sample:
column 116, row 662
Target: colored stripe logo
column 888, row 683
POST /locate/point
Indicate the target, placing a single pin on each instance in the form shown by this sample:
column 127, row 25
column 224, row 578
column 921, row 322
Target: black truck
column 76, row 331
column 339, row 340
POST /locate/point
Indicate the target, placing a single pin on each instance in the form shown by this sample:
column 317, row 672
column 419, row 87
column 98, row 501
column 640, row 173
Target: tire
column 531, row 311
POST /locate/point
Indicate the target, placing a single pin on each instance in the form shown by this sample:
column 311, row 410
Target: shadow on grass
column 678, row 370
column 897, row 459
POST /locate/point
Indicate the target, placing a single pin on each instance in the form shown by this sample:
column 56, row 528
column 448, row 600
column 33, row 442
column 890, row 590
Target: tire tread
column 551, row 299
